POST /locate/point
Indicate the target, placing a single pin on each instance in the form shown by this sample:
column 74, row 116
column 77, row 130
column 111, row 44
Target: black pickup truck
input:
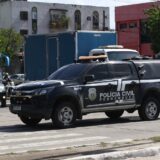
column 81, row 88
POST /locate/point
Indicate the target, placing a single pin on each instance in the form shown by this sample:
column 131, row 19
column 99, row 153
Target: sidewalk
column 147, row 153
column 131, row 150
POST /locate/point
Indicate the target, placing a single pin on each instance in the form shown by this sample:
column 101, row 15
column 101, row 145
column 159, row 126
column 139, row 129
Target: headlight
column 43, row 92
column 40, row 92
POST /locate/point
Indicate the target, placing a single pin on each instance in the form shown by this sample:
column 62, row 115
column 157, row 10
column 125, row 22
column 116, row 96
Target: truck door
column 101, row 92
column 128, row 83
column 52, row 55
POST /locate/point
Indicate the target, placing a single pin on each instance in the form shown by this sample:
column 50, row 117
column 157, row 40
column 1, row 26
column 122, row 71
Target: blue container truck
column 46, row 53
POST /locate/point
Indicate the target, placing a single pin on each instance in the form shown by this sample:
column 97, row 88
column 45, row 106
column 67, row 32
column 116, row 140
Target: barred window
column 77, row 16
column 23, row 15
column 95, row 20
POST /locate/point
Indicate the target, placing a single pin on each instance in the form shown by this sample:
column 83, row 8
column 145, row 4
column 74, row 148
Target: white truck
column 115, row 52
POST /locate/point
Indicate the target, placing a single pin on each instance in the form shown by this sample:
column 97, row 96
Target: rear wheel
column 150, row 109
column 30, row 121
column 64, row 115
column 114, row 114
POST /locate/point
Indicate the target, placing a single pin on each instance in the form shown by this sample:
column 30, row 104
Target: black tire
column 30, row 121
column 64, row 115
column 150, row 109
column 114, row 114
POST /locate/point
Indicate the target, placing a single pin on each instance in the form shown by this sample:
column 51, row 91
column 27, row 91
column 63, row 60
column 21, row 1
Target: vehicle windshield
column 121, row 55
column 69, row 72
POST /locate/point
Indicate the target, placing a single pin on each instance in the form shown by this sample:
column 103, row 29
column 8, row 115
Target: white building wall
column 5, row 15
column 13, row 8
column 18, row 24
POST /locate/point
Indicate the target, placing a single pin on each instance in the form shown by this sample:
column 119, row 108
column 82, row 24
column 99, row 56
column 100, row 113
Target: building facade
column 43, row 18
column 132, row 31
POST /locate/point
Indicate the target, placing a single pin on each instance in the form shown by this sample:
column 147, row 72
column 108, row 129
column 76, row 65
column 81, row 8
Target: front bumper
column 30, row 106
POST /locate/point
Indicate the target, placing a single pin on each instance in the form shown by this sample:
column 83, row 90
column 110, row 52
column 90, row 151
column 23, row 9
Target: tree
column 10, row 42
column 153, row 22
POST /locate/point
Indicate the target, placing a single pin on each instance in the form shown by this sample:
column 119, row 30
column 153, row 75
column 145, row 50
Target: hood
column 38, row 84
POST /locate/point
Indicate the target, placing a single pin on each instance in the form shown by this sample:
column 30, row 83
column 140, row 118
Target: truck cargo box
column 46, row 53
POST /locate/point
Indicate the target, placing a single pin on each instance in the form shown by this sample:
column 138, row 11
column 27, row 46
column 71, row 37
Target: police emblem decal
column 92, row 95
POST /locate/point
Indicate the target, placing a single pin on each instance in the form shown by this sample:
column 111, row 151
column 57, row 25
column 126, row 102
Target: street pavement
column 94, row 135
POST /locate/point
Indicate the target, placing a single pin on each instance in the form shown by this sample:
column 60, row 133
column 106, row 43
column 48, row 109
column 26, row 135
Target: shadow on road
column 79, row 124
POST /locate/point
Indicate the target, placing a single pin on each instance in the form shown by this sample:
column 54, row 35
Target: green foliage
column 153, row 22
column 10, row 42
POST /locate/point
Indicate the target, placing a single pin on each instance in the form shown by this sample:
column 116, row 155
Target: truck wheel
column 150, row 109
column 30, row 121
column 64, row 115
column 114, row 114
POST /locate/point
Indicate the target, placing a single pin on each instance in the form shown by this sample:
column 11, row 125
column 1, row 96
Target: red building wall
column 128, row 25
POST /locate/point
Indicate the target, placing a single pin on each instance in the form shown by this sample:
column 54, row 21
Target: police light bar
column 83, row 58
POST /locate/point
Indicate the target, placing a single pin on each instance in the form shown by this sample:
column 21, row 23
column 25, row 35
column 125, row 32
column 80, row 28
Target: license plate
column 17, row 108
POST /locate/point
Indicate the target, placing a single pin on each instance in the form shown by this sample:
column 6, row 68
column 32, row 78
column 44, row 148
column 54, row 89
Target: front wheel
column 114, row 114
column 30, row 121
column 64, row 115
column 150, row 109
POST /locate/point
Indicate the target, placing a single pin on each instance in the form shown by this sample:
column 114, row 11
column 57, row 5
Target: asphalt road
column 96, row 128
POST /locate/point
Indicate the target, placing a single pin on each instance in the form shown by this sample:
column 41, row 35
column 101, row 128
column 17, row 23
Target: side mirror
column 88, row 78
column 141, row 73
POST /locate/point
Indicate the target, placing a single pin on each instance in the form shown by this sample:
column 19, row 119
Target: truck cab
column 115, row 52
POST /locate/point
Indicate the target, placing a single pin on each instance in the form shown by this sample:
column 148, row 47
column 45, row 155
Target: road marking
column 37, row 138
column 11, row 134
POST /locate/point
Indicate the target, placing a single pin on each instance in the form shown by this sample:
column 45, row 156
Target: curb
column 150, row 151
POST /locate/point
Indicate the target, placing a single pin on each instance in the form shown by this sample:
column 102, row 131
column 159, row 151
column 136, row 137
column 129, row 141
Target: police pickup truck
column 87, row 87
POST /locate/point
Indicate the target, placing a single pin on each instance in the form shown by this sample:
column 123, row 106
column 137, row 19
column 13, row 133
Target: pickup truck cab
column 81, row 88
column 114, row 52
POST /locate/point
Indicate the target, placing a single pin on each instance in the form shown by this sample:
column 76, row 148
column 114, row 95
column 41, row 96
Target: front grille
column 22, row 93
column 21, row 100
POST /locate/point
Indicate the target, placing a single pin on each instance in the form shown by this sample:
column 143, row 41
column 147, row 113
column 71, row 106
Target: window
column 121, row 55
column 23, row 32
column 122, row 26
column 34, row 20
column 23, row 15
column 58, row 19
column 100, row 72
column 145, row 36
column 69, row 72
column 121, row 70
column 77, row 19
column 151, row 71
column 95, row 20
column 34, row 13
column 133, row 25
